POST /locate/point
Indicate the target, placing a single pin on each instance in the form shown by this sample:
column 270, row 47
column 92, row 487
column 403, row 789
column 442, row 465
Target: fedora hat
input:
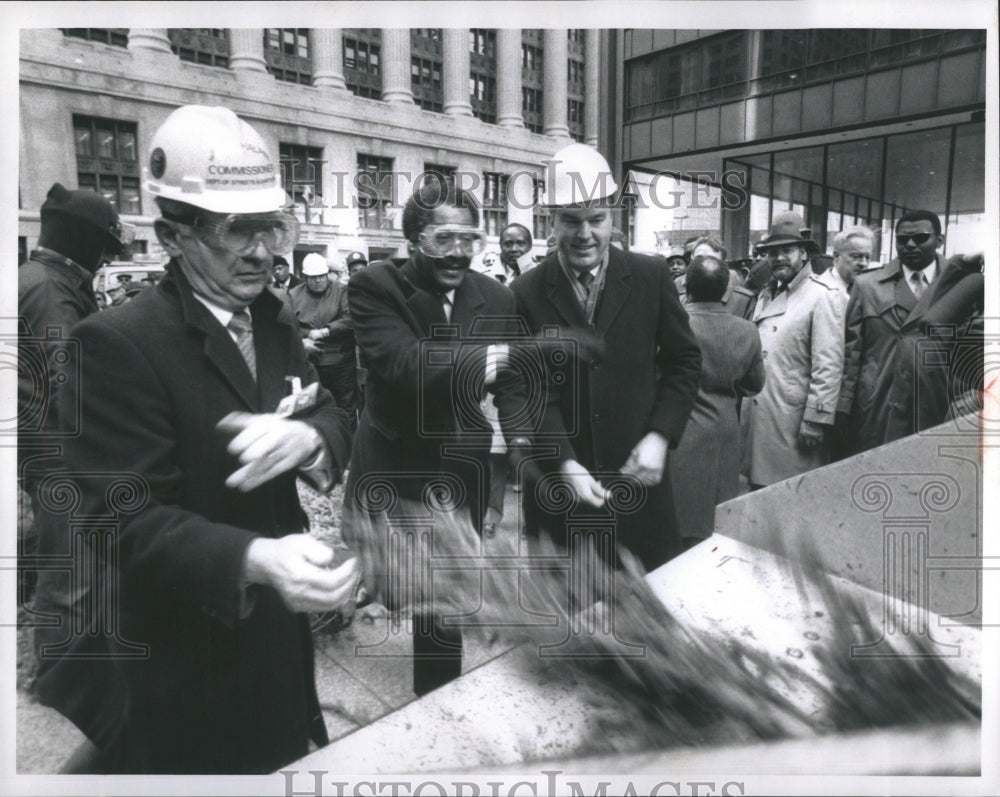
column 788, row 228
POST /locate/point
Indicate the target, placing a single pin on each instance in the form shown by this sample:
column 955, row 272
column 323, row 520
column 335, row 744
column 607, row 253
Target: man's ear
column 166, row 232
column 940, row 241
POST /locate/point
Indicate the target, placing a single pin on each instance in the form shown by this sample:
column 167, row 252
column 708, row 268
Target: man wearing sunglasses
column 427, row 331
column 180, row 398
column 889, row 390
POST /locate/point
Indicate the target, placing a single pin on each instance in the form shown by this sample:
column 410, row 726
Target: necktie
column 242, row 327
column 586, row 280
column 446, row 306
column 918, row 283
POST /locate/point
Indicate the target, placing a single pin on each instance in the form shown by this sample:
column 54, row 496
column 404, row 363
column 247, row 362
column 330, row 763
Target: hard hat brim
column 249, row 201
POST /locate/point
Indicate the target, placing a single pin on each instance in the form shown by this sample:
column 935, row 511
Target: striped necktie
column 587, row 281
column 242, row 327
column 918, row 283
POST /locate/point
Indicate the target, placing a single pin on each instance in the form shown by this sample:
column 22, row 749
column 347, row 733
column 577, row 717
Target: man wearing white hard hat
column 320, row 305
column 615, row 412
column 188, row 440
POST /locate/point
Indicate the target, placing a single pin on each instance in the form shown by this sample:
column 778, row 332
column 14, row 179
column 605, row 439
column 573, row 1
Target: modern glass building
column 844, row 126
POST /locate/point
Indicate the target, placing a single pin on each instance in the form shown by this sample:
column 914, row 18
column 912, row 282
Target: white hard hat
column 315, row 265
column 210, row 158
column 577, row 174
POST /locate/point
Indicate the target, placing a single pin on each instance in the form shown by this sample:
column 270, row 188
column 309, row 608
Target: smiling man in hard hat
column 618, row 414
column 181, row 402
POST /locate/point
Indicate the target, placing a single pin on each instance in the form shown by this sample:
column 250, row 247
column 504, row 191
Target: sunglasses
column 919, row 238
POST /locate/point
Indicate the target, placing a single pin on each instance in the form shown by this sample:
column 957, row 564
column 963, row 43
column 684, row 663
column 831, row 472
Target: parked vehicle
column 107, row 277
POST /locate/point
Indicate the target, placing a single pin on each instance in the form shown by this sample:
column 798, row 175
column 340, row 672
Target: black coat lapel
column 560, row 293
column 422, row 302
column 219, row 349
column 616, row 290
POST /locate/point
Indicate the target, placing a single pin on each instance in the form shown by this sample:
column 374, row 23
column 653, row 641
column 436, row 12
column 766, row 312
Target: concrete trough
column 883, row 524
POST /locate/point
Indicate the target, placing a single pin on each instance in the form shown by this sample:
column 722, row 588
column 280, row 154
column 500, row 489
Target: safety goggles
column 240, row 233
column 447, row 241
column 919, row 238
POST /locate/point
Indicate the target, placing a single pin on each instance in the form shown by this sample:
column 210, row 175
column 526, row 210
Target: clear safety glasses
column 239, row 233
column 447, row 241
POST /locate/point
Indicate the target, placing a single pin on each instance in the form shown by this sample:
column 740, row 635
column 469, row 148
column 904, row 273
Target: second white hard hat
column 314, row 265
column 210, row 158
column 578, row 174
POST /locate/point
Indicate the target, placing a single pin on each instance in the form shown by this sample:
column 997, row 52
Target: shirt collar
column 930, row 271
column 595, row 270
column 222, row 315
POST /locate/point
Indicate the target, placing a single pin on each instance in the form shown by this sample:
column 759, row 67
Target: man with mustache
column 426, row 331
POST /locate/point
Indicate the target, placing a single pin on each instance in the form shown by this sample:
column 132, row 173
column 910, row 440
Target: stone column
column 149, row 39
column 456, row 72
column 328, row 58
column 554, row 80
column 591, row 87
column 396, row 65
column 246, row 50
column 509, row 77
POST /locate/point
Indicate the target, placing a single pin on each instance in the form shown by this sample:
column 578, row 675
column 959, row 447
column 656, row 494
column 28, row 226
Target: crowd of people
column 234, row 377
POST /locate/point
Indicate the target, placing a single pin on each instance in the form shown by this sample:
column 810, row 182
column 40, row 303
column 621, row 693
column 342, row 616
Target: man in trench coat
column 800, row 318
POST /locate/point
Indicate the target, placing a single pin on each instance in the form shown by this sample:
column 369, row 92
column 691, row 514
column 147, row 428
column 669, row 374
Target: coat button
column 597, row 417
column 774, row 329
column 763, row 354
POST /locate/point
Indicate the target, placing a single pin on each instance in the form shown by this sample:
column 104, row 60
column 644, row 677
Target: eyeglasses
column 919, row 238
column 239, row 233
column 442, row 242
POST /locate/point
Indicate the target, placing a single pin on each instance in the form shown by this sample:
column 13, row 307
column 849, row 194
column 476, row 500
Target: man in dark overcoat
column 432, row 333
column 613, row 414
column 179, row 397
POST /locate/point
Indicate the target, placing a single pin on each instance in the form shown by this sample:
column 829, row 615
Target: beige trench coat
column 802, row 335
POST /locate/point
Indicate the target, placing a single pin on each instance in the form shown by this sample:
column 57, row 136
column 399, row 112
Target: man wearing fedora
column 800, row 318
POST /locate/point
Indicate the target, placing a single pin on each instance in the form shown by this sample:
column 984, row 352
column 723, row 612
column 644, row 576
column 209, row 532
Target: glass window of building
column 540, row 219
column 209, row 46
column 107, row 160
column 302, row 177
column 286, row 54
column 532, row 87
column 916, row 172
column 575, row 82
column 494, row 202
column 362, row 62
column 483, row 74
column 440, row 173
column 115, row 36
column 966, row 203
column 426, row 68
column 375, row 192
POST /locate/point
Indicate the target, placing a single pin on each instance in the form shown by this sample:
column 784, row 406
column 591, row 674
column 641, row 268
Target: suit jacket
column 228, row 684
column 706, row 465
column 802, row 333
column 422, row 422
column 600, row 402
column 898, row 379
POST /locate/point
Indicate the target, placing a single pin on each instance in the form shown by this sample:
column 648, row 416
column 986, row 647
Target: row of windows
column 720, row 68
column 107, row 163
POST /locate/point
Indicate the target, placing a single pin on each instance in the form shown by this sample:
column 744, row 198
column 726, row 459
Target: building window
column 107, row 160
column 425, row 68
column 574, row 118
column 483, row 42
column 302, row 177
column 577, row 36
column 683, row 78
column 532, row 91
column 494, row 202
column 116, row 36
column 483, row 73
column 375, row 192
column 440, row 173
column 575, row 79
column 483, row 96
column 286, row 53
column 209, row 46
column 540, row 220
column 363, row 62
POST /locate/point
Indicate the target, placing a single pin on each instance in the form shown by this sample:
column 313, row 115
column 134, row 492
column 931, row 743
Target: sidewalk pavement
column 362, row 673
